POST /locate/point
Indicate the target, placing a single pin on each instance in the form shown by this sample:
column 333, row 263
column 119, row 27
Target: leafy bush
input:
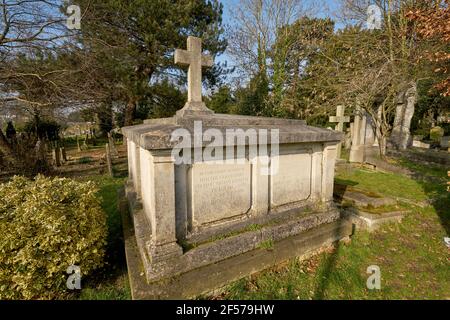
column 47, row 225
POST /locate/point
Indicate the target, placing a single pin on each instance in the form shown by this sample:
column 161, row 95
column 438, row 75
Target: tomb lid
column 156, row 134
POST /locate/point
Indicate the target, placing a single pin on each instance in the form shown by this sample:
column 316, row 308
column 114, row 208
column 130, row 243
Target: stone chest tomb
column 205, row 188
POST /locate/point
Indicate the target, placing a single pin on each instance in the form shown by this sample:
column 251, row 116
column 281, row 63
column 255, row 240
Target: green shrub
column 47, row 225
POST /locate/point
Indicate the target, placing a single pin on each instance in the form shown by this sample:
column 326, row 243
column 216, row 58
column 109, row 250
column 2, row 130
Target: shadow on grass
column 324, row 276
column 330, row 264
column 433, row 180
column 341, row 186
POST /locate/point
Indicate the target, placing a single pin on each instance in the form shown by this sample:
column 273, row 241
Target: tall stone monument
column 341, row 119
column 357, row 150
column 206, row 191
column 401, row 136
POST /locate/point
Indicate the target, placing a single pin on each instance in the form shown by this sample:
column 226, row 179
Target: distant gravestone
column 109, row 161
column 357, row 151
column 63, row 153
column 348, row 137
column 340, row 119
column 420, row 144
column 112, row 146
column 445, row 142
column 78, row 144
column 85, row 142
column 56, row 157
column 401, row 136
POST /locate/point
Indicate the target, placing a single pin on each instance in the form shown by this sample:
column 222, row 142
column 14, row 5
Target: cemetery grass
column 412, row 256
column 110, row 282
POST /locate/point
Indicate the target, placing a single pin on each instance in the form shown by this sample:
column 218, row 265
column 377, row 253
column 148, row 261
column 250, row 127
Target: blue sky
column 327, row 7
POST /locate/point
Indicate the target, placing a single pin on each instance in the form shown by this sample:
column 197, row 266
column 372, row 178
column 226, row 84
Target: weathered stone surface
column 340, row 119
column 360, row 199
column 372, row 222
column 401, row 136
column 217, row 250
column 293, row 181
column 221, row 273
column 220, row 191
column 420, row 144
column 194, row 58
column 445, row 142
column 156, row 134
column 357, row 150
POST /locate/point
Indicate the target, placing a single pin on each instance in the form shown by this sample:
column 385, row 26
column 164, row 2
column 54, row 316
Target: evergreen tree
column 133, row 41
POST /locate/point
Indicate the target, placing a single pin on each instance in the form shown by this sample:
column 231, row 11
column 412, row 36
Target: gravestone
column 348, row 137
column 207, row 190
column 421, row 144
column 112, row 146
column 357, row 150
column 401, row 136
column 109, row 161
column 445, row 142
column 56, row 156
column 341, row 119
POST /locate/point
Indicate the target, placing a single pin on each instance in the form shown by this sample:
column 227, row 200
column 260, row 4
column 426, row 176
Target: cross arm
column 339, row 119
column 182, row 57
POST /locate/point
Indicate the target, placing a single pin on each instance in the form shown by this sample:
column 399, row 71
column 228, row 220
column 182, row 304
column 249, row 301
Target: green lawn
column 412, row 256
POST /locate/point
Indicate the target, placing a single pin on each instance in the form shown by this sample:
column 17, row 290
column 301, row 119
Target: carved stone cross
column 194, row 58
column 340, row 119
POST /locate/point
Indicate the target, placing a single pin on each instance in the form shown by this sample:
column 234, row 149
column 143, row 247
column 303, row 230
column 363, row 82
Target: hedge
column 47, row 225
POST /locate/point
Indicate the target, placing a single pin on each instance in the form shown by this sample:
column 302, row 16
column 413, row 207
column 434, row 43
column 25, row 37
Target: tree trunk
column 382, row 146
column 130, row 111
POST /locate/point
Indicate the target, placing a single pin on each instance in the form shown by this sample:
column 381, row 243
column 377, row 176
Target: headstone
column 420, row 144
column 340, row 119
column 78, row 144
column 401, row 136
column 370, row 136
column 198, row 177
column 357, row 150
column 40, row 151
column 63, row 154
column 348, row 137
column 109, row 161
column 56, row 157
column 445, row 142
column 85, row 142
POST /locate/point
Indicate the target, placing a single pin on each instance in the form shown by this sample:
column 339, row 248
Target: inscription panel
column 293, row 181
column 219, row 191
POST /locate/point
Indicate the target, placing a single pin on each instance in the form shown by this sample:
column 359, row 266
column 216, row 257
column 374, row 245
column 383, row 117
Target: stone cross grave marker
column 194, row 58
column 340, row 119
